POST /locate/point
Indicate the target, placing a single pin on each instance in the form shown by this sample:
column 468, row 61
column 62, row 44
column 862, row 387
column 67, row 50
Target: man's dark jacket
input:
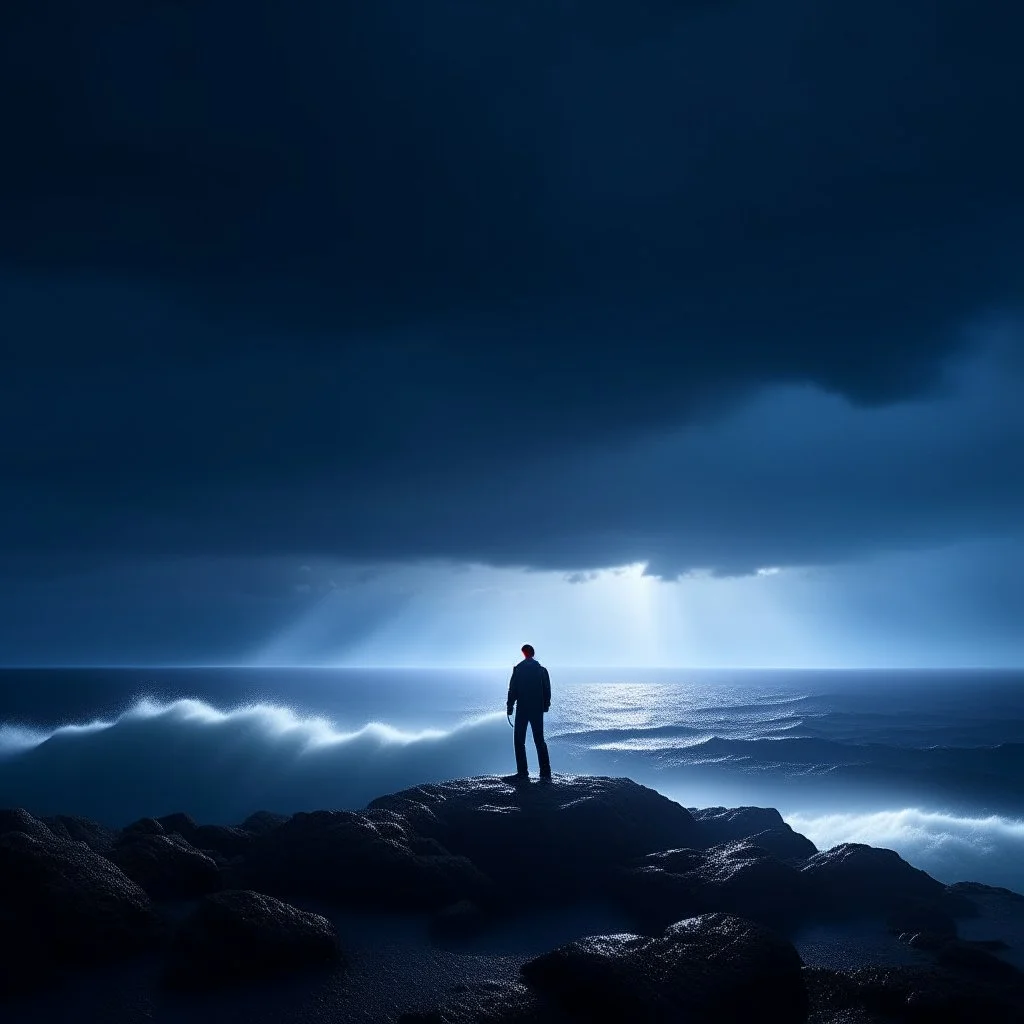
column 529, row 687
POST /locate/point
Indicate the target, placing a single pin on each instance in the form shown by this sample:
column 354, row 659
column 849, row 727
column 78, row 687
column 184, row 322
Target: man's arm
column 513, row 694
column 547, row 691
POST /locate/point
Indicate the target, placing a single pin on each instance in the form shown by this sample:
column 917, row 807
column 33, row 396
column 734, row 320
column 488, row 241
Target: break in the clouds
column 713, row 286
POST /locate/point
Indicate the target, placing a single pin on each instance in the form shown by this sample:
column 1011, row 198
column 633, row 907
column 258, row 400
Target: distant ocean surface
column 927, row 763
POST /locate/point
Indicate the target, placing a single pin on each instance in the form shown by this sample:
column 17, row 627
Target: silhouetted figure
column 529, row 692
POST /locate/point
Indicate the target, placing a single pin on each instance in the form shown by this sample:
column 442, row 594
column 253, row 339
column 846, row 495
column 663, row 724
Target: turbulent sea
column 927, row 763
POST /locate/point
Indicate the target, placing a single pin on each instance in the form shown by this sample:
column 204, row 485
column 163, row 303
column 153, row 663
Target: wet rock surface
column 712, row 968
column 761, row 825
column 854, row 879
column 710, row 899
column 736, row 877
column 545, row 840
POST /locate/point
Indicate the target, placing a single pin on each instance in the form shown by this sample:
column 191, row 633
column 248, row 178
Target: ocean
column 930, row 764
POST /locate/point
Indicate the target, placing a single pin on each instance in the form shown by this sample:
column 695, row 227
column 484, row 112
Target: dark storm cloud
column 317, row 280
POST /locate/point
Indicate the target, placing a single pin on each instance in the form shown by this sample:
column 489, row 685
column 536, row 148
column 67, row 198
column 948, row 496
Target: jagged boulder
column 76, row 904
column 854, row 879
column 711, row 969
column 17, row 819
column 361, row 859
column 555, row 840
column 144, row 827
column 97, row 837
column 259, row 823
column 735, row 877
column 973, row 890
column 763, row 826
column 236, row 935
column 184, row 824
column 166, row 866
column 222, row 839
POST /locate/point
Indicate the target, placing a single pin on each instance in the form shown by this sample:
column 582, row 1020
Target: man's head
column 527, row 650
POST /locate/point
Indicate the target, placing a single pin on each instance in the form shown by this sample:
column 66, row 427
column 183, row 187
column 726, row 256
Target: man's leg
column 537, row 723
column 519, row 742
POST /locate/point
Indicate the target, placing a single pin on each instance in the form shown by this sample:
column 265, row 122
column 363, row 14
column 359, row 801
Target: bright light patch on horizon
column 468, row 616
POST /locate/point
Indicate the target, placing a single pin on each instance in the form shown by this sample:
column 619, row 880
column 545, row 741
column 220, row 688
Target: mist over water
column 930, row 764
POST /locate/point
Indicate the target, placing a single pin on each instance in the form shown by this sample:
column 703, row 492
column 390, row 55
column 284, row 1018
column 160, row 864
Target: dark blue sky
column 560, row 285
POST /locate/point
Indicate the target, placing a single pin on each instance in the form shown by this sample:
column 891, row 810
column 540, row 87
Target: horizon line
column 493, row 666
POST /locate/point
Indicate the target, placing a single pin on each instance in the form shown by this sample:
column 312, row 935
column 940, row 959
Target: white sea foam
column 952, row 848
column 219, row 765
column 15, row 739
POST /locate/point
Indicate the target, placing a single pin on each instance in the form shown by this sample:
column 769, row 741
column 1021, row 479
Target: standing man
column 529, row 692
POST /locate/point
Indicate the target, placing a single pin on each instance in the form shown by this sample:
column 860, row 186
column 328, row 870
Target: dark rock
column 854, row 879
column 144, row 827
column 550, row 841
column 836, row 999
column 79, row 905
column 978, row 889
column 181, row 823
column 654, row 897
column 222, row 839
column 17, row 819
column 912, row 994
column 166, row 866
column 969, row 956
column 426, row 847
column 237, row 935
column 744, row 879
column 361, row 859
column 737, row 877
column 489, row 1003
column 231, row 842
column 762, row 825
column 97, row 837
column 784, row 844
column 262, row 822
column 713, row 969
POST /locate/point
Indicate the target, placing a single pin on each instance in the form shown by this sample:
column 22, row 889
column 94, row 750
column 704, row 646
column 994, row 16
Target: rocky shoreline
column 712, row 899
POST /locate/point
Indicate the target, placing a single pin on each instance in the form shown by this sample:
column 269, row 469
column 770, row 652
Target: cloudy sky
column 656, row 333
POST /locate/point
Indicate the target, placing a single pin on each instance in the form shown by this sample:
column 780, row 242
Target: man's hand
column 547, row 708
column 508, row 713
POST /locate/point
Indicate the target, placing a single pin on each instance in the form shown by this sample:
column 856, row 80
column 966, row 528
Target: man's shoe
column 545, row 776
column 518, row 777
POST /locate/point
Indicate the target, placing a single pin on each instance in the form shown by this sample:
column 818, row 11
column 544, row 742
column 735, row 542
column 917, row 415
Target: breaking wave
column 952, row 848
column 956, row 808
column 220, row 765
